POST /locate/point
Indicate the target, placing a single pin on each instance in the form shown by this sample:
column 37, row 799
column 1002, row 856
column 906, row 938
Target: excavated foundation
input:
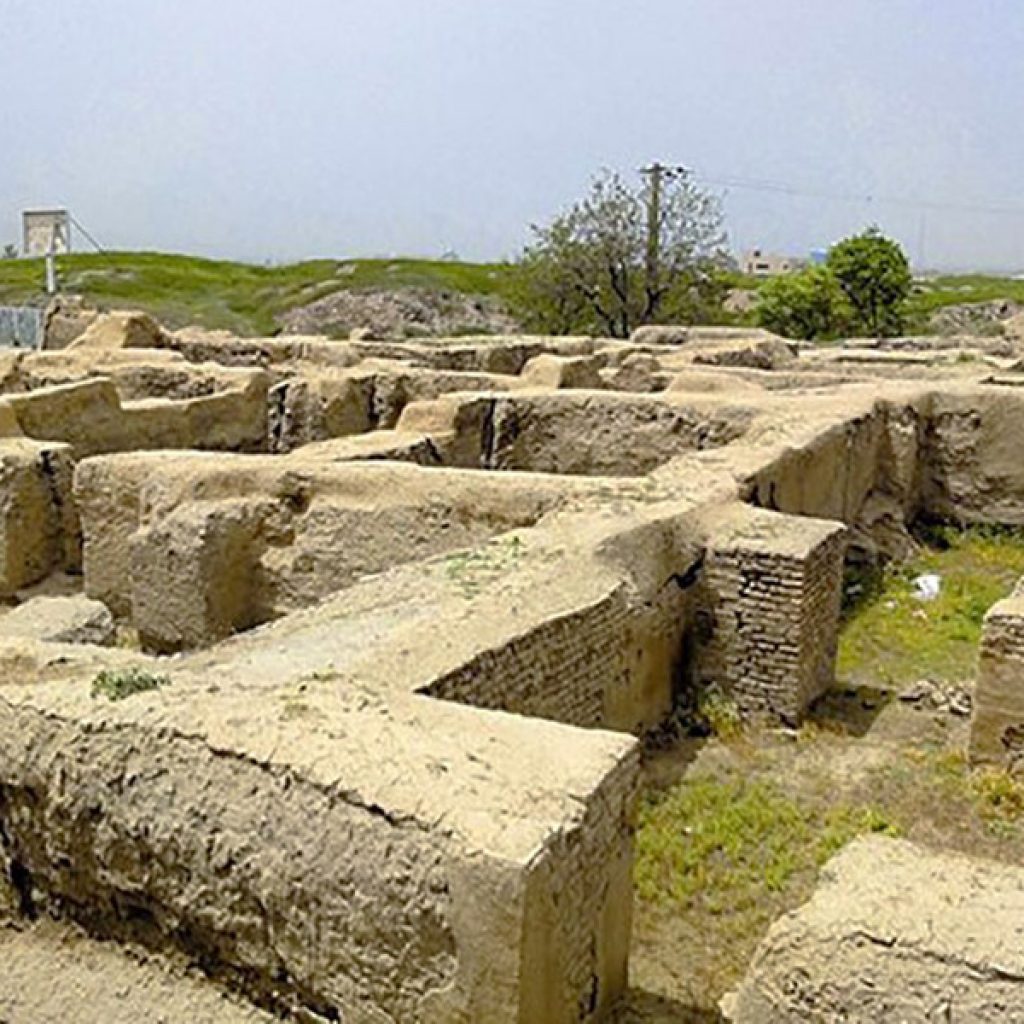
column 356, row 639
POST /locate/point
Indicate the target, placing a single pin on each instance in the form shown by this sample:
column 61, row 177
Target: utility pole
column 51, row 264
column 658, row 174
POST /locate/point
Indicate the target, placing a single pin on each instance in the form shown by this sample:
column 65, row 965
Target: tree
column 544, row 292
column 591, row 269
column 874, row 275
column 808, row 304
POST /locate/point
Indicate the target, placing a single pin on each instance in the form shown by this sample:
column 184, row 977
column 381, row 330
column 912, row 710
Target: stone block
column 549, row 371
column 60, row 620
column 195, row 575
column 894, row 933
column 38, row 522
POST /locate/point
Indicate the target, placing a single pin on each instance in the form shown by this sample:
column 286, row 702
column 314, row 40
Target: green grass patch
column 240, row 297
column 119, row 684
column 944, row 802
column 720, row 846
column 891, row 637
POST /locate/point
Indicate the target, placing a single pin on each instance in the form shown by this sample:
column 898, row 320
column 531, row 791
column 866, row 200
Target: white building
column 758, row 263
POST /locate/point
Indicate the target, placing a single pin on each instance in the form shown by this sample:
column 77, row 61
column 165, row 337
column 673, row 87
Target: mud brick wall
column 581, row 433
column 774, row 585
column 820, row 603
column 39, row 526
column 971, row 457
column 561, row 670
column 287, row 890
column 303, row 893
column 997, row 721
column 579, row 906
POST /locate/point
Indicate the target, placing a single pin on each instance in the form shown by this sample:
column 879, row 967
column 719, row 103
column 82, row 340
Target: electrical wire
column 784, row 188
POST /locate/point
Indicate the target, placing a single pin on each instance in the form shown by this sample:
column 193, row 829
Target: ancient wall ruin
column 895, row 932
column 997, row 722
column 771, row 625
column 421, row 599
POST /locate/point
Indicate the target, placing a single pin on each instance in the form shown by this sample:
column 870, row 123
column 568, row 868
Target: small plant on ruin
column 999, row 795
column 470, row 570
column 118, row 684
column 719, row 713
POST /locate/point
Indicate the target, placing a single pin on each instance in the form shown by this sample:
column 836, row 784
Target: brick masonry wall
column 560, row 670
column 771, row 633
column 821, row 601
column 581, row 901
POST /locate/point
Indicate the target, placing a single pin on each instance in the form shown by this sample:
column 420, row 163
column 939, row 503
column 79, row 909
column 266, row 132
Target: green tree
column 544, row 292
column 874, row 275
column 808, row 304
column 591, row 269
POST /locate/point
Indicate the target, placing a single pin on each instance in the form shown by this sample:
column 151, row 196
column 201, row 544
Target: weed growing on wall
column 119, row 684
column 472, row 570
column 718, row 713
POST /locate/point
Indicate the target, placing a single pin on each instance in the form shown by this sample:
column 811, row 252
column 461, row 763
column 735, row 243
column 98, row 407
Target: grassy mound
column 241, row 297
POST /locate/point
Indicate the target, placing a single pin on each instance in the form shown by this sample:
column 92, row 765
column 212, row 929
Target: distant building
column 758, row 263
column 43, row 230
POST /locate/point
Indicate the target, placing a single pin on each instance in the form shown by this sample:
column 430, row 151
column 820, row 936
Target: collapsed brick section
column 775, row 586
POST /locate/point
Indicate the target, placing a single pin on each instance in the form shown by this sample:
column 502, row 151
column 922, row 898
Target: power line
column 784, row 188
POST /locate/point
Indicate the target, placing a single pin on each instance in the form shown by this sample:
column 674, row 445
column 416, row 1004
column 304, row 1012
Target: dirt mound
column 399, row 313
column 985, row 318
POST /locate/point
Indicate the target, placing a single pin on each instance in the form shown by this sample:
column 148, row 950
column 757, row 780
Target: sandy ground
column 53, row 974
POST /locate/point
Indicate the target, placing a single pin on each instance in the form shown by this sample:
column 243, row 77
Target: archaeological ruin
column 325, row 665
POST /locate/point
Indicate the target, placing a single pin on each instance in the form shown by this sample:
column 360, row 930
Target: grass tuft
column 119, row 684
column 718, row 713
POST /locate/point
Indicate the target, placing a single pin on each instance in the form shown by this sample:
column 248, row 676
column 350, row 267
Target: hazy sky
column 263, row 129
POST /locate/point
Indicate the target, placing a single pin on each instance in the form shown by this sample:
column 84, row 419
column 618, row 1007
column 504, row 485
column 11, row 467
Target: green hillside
column 240, row 297
column 247, row 298
column 935, row 293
